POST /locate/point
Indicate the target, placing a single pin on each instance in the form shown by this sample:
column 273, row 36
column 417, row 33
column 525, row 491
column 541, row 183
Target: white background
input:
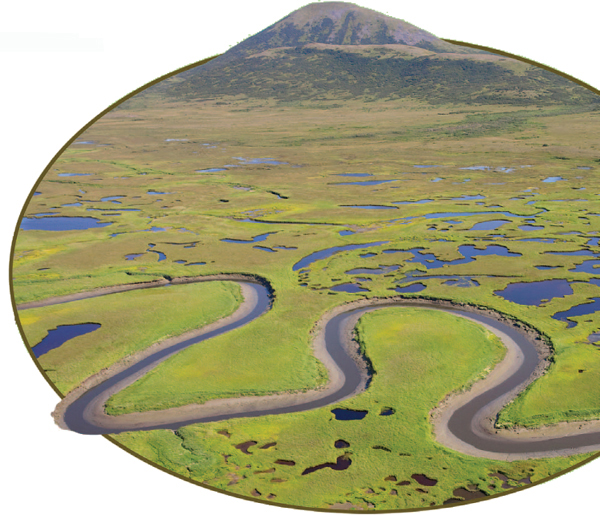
column 62, row 63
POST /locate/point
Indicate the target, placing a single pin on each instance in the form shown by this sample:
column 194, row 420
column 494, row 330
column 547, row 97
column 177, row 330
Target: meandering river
column 465, row 423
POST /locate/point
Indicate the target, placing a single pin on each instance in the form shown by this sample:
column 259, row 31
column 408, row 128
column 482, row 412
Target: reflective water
column 581, row 309
column 63, row 333
column 348, row 288
column 61, row 223
column 489, row 226
column 260, row 160
column 260, row 237
column 412, row 288
column 535, row 293
column 362, row 183
column 405, row 202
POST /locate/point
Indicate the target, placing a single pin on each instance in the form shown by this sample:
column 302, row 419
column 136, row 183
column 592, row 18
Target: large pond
column 61, row 223
column 533, row 294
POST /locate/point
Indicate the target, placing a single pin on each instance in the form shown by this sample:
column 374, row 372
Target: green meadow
column 418, row 355
column 477, row 163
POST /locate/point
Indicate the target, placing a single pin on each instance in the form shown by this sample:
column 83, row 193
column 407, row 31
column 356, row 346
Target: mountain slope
column 337, row 50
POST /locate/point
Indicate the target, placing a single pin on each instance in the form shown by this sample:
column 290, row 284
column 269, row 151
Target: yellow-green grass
column 419, row 356
column 383, row 138
column 567, row 393
column 130, row 322
column 272, row 354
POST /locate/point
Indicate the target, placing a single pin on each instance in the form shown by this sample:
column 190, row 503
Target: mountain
column 340, row 51
column 339, row 23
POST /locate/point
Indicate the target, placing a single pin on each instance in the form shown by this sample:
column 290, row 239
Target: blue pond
column 591, row 266
column 358, row 174
column 348, row 414
column 469, row 197
column 553, row 179
column 533, row 294
column 468, row 251
column 362, row 183
column 210, row 170
column 412, row 288
column 72, row 174
column 260, row 160
column 406, row 202
column 489, row 226
column 161, row 256
column 348, row 288
column 56, row 337
column 581, row 309
column 61, row 223
column 260, row 237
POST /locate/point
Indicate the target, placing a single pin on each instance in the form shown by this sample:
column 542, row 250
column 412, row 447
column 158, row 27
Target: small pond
column 406, row 202
column 261, row 160
column 349, row 414
column 56, row 337
column 348, row 288
column 412, row 288
column 581, row 309
column 260, row 237
column 489, row 226
column 469, row 197
column 362, row 183
column 325, row 253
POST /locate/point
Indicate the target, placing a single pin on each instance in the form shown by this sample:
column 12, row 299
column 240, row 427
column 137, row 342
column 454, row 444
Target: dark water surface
column 63, row 333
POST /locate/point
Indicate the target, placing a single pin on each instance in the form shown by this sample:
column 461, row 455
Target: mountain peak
column 339, row 23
